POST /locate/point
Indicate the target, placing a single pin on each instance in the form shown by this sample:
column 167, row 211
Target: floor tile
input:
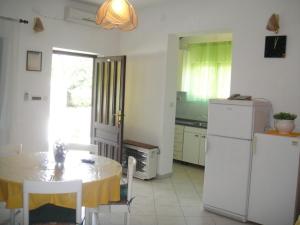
column 148, row 209
column 169, row 210
column 143, row 220
column 143, row 200
column 166, row 201
column 171, row 220
column 190, row 201
column 192, row 210
column 199, row 220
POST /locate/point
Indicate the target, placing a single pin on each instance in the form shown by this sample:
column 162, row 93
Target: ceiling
column 135, row 3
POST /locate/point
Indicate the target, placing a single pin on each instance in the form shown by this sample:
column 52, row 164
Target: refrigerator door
column 226, row 180
column 230, row 120
column 274, row 180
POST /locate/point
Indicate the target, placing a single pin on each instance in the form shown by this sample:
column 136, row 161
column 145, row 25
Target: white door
column 230, row 120
column 274, row 176
column 191, row 147
column 226, row 180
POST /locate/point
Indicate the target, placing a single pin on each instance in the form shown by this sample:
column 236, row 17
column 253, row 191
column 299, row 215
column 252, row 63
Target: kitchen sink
column 191, row 123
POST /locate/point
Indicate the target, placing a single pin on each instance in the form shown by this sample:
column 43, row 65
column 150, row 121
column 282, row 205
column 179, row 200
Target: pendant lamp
column 116, row 14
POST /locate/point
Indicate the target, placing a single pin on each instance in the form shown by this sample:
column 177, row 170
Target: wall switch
column 36, row 98
column 26, row 96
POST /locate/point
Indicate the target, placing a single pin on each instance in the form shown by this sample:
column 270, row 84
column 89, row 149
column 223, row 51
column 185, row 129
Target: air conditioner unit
column 80, row 16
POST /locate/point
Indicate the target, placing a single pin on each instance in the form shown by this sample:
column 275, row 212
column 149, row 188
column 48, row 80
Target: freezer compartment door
column 230, row 120
column 226, row 180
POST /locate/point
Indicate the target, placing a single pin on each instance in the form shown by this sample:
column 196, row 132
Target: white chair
column 59, row 187
column 93, row 149
column 122, row 206
column 11, row 149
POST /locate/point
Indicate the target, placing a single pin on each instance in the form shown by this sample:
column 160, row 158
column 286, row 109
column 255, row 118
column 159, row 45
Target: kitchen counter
column 191, row 123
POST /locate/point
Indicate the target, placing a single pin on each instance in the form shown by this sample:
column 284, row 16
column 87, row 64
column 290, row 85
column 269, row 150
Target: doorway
column 71, row 97
column 203, row 72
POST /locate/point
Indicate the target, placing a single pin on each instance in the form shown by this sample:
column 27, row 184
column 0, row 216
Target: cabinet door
column 201, row 160
column 191, row 146
column 274, row 179
column 226, row 178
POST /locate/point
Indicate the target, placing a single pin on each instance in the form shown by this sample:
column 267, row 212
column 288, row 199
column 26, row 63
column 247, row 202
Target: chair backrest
column 130, row 171
column 11, row 149
column 58, row 187
column 83, row 147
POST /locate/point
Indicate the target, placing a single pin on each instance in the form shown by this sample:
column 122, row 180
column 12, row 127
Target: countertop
column 191, row 123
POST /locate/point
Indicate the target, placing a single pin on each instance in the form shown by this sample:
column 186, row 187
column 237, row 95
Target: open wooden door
column 108, row 105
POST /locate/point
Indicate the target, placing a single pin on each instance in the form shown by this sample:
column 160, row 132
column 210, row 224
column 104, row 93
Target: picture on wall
column 275, row 47
column 34, row 61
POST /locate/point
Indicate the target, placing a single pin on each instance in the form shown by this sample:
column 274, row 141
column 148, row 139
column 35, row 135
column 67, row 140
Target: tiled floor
column 171, row 201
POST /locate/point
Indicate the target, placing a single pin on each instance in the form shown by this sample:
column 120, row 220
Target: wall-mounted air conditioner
column 80, row 16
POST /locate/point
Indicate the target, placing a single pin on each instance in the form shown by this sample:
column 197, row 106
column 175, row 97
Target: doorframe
column 169, row 108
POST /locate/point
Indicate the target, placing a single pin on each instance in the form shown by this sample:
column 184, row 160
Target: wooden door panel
column 108, row 105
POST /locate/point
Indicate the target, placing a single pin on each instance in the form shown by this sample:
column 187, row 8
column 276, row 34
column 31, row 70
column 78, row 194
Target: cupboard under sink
column 189, row 141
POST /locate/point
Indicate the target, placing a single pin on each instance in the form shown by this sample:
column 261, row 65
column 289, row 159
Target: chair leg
column 127, row 218
column 88, row 216
column 12, row 217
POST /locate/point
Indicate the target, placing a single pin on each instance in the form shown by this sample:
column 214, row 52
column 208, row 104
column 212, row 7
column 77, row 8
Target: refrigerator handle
column 253, row 143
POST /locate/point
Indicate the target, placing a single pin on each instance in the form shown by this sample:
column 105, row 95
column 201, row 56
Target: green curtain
column 206, row 71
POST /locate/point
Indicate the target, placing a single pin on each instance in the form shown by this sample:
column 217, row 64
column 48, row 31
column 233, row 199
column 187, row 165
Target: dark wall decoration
column 275, row 47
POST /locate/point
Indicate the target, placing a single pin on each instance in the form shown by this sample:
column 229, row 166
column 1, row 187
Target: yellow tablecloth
column 101, row 180
column 298, row 221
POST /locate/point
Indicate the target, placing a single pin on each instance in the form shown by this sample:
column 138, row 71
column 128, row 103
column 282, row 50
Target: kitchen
column 204, row 72
column 234, row 185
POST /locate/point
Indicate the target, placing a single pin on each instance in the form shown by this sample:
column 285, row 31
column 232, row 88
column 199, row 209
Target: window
column 206, row 71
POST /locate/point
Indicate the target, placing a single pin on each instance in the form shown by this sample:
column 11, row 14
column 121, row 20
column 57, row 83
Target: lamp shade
column 116, row 14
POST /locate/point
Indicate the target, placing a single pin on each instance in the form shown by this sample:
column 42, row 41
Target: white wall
column 29, row 120
column 151, row 71
column 9, row 35
column 274, row 79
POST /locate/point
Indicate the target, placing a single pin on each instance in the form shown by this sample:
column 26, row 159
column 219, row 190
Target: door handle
column 120, row 116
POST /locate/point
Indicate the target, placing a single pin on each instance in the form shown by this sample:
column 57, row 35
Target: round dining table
column 100, row 176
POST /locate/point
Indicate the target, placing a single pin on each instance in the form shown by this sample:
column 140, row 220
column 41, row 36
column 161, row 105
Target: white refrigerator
column 275, row 182
column 231, row 125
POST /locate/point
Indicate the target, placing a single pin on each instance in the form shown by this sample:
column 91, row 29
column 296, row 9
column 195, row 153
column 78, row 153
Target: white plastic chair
column 93, row 149
column 59, row 187
column 11, row 149
column 122, row 206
